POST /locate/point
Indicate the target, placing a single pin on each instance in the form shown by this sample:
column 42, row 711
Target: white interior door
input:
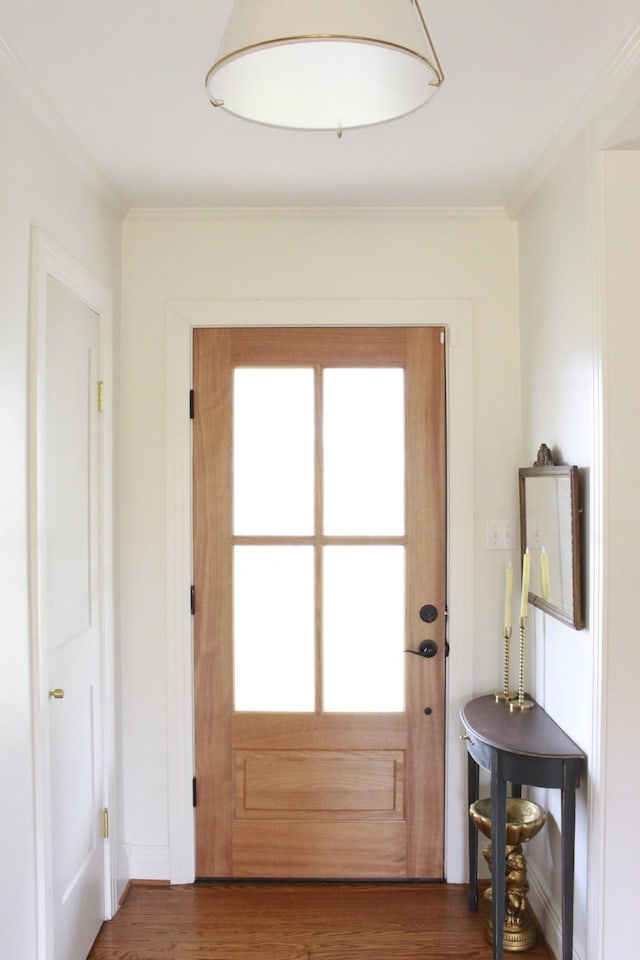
column 71, row 621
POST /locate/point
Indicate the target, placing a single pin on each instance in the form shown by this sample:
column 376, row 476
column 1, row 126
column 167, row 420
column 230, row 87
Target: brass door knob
column 57, row 694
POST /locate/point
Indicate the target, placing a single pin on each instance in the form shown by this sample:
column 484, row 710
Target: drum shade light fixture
column 324, row 64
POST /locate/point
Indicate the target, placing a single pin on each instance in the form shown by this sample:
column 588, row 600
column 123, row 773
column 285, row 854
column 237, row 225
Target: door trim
column 49, row 259
column 181, row 319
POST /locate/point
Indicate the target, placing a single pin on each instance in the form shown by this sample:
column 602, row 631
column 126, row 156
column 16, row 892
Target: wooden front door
column 319, row 532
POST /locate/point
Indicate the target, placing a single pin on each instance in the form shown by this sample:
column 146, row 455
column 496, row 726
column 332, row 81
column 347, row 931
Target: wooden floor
column 287, row 921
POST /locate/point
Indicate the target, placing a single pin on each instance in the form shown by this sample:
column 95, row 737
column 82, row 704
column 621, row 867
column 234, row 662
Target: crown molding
column 50, row 119
column 609, row 92
column 213, row 214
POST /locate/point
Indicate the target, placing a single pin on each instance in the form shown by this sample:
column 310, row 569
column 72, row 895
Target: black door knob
column 428, row 648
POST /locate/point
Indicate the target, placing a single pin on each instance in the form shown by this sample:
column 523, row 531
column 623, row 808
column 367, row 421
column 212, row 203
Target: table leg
column 473, row 788
column 498, row 845
column 568, row 863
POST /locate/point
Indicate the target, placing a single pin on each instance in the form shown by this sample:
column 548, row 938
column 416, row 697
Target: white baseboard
column 148, row 861
column 548, row 915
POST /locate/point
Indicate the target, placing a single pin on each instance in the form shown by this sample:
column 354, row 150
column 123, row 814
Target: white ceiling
column 128, row 77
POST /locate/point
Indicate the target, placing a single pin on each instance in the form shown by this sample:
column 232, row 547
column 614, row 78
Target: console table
column 521, row 747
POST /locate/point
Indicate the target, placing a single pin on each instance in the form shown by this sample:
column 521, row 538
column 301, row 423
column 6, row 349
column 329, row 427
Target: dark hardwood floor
column 296, row 921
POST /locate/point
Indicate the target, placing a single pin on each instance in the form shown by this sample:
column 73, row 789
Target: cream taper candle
column 544, row 574
column 508, row 598
column 526, row 568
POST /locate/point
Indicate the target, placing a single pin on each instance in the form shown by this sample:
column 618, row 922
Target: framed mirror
column 550, row 528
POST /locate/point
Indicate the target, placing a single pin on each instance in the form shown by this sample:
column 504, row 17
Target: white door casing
column 182, row 317
column 71, row 590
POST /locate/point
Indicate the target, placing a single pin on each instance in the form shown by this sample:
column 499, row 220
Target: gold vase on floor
column 524, row 820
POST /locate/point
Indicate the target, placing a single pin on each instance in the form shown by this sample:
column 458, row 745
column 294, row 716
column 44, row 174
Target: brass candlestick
column 521, row 703
column 506, row 696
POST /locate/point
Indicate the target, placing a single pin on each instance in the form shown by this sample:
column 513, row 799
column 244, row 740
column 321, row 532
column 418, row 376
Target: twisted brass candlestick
column 521, row 703
column 505, row 696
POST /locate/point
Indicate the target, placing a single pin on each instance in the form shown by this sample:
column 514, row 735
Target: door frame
column 49, row 259
column 182, row 317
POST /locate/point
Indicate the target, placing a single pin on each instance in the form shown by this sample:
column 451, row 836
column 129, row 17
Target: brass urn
column 524, row 820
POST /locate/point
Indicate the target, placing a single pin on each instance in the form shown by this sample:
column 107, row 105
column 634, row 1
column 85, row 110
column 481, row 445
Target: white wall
column 472, row 256
column 294, row 256
column 559, row 357
column 579, row 237
column 38, row 185
column 621, row 195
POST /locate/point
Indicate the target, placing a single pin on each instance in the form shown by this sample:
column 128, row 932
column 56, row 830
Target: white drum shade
column 324, row 64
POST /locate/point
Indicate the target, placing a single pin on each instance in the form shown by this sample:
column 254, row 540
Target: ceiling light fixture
column 324, row 64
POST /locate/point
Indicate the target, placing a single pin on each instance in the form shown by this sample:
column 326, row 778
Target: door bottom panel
column 282, row 849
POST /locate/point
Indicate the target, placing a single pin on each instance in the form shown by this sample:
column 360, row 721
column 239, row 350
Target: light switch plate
column 500, row 534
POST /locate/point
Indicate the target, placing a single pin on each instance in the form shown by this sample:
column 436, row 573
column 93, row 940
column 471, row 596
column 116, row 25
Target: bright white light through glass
column 274, row 653
column 364, row 621
column 273, row 451
column 364, row 442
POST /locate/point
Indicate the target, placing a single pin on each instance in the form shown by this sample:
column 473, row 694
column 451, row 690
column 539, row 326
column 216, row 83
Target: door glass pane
column 273, row 451
column 364, row 452
column 274, row 652
column 363, row 618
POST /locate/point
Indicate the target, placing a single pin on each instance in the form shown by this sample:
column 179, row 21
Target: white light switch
column 500, row 534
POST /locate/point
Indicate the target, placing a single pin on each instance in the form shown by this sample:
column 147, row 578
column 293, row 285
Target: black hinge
column 193, row 599
column 446, row 631
column 191, row 404
column 195, row 793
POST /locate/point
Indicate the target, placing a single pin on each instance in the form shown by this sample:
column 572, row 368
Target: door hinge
column 192, row 403
column 195, row 792
column 192, row 600
column 100, row 396
column 446, row 631
column 105, row 824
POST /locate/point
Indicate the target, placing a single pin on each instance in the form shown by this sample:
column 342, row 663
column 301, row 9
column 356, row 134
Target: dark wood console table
column 522, row 747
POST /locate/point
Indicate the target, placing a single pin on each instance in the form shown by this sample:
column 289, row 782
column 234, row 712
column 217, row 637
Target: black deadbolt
column 428, row 613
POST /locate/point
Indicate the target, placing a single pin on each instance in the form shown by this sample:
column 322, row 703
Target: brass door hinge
column 105, row 824
column 100, row 396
